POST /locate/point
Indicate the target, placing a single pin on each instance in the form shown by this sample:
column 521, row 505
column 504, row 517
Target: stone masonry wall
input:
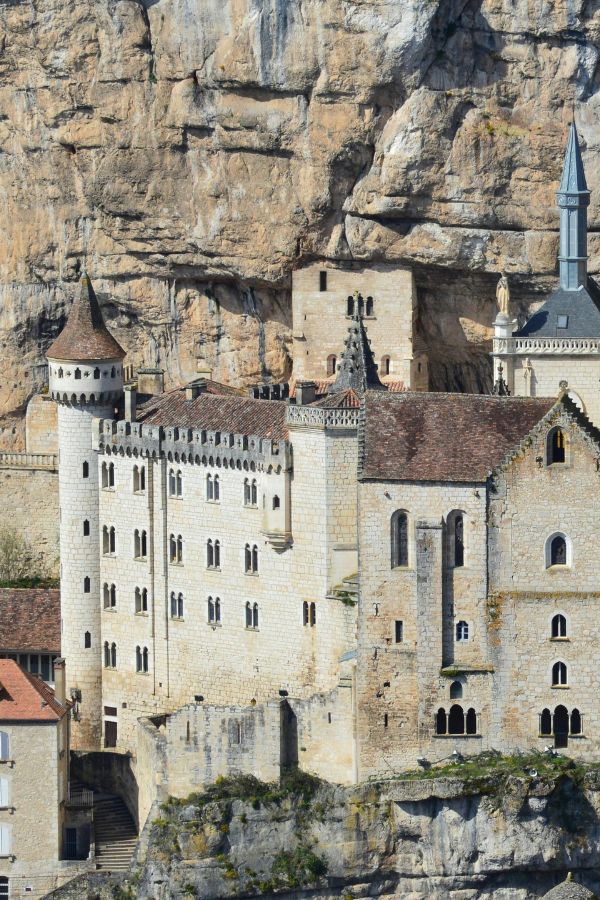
column 31, row 498
column 581, row 373
column 226, row 662
column 321, row 321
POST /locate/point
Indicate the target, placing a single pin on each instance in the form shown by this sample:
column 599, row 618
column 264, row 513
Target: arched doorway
column 561, row 726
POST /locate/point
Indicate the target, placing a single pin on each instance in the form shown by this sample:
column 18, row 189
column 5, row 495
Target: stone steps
column 116, row 837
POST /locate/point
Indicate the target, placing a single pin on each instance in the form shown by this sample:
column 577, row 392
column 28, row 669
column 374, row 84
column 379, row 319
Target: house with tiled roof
column 30, row 628
column 35, row 810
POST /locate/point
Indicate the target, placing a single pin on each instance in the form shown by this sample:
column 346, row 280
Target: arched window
column 459, row 544
column 179, row 483
column 385, row 365
column 145, row 659
column 331, row 364
column 561, row 726
column 77, row 373
column 370, row 306
column 210, row 554
column 138, row 659
column 86, row 585
column 441, row 722
column 112, row 372
column 558, row 551
column 217, row 554
column 559, row 674
column 276, row 502
column 361, row 305
column 217, row 488
column 175, row 549
column 456, row 690
column 96, row 373
column 350, row 306
column 313, row 614
column 254, row 492
column 255, row 558
column 559, row 626
column 471, row 721
column 247, row 494
column 87, row 640
column 172, row 483
column 86, row 470
column 141, row 600
column 104, row 475
column 106, row 655
column 60, row 372
column 576, row 722
column 210, row 493
column 111, row 475
column 176, row 605
column 556, row 446
column 248, row 616
column 139, row 479
column 113, row 656
column 251, row 559
column 255, row 615
column 217, row 609
column 86, row 528
column 399, row 539
column 456, row 720
column 108, row 540
column 140, row 541
column 305, row 613
column 462, row 630
column 546, row 722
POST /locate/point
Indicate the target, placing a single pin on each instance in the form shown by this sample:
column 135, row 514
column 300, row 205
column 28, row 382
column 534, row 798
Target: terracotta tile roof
column 347, row 399
column 30, row 619
column 225, row 411
column 85, row 336
column 442, row 437
column 394, row 387
column 25, row 697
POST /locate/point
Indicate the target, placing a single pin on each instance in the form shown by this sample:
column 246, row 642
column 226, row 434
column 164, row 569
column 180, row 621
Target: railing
column 81, row 797
column 330, row 418
column 583, row 346
column 29, row 461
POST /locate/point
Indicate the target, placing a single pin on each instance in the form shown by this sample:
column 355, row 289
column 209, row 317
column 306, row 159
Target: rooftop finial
column 357, row 368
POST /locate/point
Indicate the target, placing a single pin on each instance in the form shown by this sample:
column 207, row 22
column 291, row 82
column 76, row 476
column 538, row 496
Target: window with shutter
column 3, row 791
column 4, row 746
column 4, row 840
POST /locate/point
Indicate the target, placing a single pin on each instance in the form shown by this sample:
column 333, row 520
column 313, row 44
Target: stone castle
column 354, row 574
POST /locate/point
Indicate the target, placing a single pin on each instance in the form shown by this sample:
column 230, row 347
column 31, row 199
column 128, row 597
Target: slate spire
column 573, row 198
column 357, row 368
column 85, row 336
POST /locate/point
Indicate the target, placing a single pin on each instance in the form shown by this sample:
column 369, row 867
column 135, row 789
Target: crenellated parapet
column 84, row 382
column 196, row 447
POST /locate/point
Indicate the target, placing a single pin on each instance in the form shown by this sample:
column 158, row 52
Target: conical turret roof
column 85, row 336
column 573, row 175
column 357, row 368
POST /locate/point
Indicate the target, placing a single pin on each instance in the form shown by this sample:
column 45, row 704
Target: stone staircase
column 115, row 832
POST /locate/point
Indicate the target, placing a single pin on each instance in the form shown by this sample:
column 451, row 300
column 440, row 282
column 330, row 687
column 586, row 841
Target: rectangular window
column 399, row 631
column 4, row 840
column 322, row 280
column 46, row 668
column 4, row 746
column 3, row 792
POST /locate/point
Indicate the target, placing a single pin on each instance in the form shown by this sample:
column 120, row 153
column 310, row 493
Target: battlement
column 199, row 447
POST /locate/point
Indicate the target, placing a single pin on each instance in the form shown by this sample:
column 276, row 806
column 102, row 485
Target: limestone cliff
column 195, row 151
column 493, row 829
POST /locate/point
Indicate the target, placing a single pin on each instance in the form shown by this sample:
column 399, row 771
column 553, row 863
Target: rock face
column 196, row 151
column 431, row 840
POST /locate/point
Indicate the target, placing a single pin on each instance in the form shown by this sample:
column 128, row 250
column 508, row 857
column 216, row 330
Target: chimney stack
column 130, row 402
column 306, row 392
column 60, row 686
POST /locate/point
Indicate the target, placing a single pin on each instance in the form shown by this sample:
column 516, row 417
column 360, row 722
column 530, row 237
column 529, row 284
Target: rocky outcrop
column 497, row 830
column 195, row 151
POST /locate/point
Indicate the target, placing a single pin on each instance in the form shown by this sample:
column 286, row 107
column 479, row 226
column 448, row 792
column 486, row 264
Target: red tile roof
column 30, row 619
column 85, row 336
column 442, row 437
column 225, row 412
column 25, row 697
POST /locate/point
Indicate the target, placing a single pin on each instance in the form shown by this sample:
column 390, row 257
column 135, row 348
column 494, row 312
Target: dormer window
column 562, row 321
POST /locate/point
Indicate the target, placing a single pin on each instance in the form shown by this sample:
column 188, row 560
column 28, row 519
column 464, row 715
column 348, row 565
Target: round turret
column 86, row 378
column 85, row 362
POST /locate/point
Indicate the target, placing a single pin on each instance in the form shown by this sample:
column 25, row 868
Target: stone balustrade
column 533, row 346
column 323, row 418
column 47, row 461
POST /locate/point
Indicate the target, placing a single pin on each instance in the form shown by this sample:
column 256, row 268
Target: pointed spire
column 357, row 368
column 85, row 336
column 573, row 175
column 573, row 198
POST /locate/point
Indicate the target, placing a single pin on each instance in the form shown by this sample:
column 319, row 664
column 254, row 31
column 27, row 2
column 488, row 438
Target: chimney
column 306, row 392
column 151, row 381
column 195, row 388
column 60, row 687
column 130, row 402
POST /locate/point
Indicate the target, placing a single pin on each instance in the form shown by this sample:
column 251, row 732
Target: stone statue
column 503, row 296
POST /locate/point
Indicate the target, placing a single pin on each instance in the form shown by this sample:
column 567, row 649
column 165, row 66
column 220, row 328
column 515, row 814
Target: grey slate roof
column 85, row 336
column 582, row 308
column 357, row 369
column 573, row 175
column 569, row 890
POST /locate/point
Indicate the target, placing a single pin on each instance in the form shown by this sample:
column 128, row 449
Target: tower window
column 252, row 615
column 141, row 660
column 331, row 364
column 86, row 585
column 556, row 447
column 558, row 551
column 176, row 605
column 312, row 614
column 323, row 280
column 109, row 593
column 86, row 528
column 175, row 549
column 140, row 544
column 399, row 631
column 462, row 631
column 559, row 674
column 108, row 475
column 399, row 539
column 276, row 502
column 87, row 640
column 456, row 690
column 350, row 306
column 370, row 306
column 214, row 611
column 86, row 470
column 175, row 483
column 251, row 559
column 139, row 479
column 385, row 365
column 141, row 600
column 108, row 541
column 213, row 488
column 559, row 626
